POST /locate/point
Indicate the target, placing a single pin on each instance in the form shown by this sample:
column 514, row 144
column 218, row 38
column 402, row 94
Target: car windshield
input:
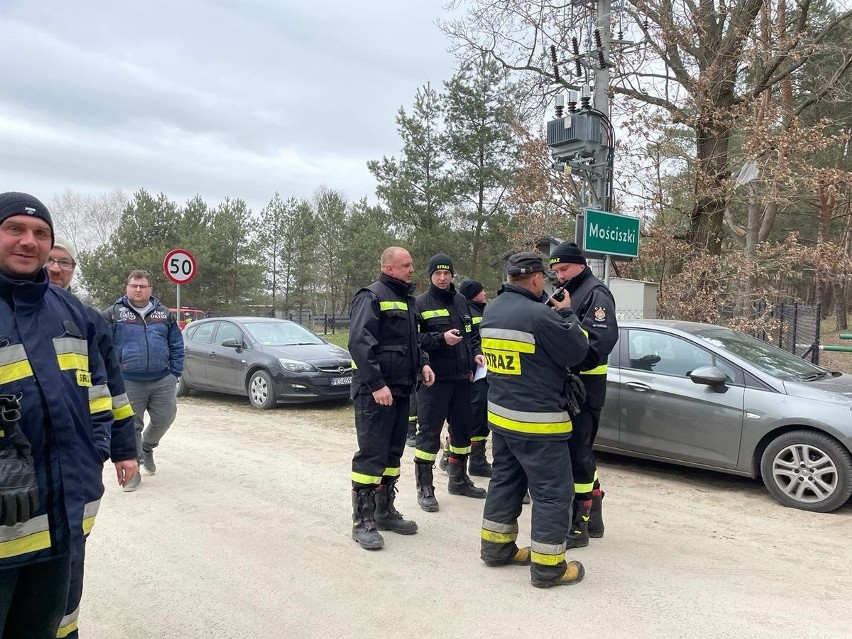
column 281, row 334
column 769, row 359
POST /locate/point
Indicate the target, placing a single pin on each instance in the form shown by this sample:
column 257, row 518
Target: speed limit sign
column 180, row 266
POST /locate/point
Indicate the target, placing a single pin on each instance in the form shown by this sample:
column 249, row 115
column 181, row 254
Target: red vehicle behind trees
column 187, row 315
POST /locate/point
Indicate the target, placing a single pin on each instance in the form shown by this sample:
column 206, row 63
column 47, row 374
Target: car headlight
column 295, row 366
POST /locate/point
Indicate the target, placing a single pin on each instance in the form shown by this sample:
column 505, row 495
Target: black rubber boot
column 363, row 524
column 445, row 455
column 578, row 534
column 425, row 487
column 596, row 525
column 411, row 437
column 479, row 465
column 460, row 483
column 387, row 516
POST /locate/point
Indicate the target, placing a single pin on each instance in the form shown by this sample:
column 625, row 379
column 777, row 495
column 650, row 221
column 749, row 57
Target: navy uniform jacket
column 528, row 346
column 439, row 311
column 49, row 357
column 383, row 338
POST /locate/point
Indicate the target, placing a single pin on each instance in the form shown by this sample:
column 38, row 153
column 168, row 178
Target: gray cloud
column 209, row 96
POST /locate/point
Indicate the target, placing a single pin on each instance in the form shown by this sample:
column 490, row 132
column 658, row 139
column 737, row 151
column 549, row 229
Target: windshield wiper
column 812, row 377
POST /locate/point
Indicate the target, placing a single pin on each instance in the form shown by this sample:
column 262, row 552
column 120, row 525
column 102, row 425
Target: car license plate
column 340, row 381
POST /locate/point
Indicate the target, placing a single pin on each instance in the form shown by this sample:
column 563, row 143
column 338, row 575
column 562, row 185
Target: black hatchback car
column 267, row 360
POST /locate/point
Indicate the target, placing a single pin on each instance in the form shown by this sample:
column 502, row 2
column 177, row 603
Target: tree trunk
column 840, row 307
column 707, row 216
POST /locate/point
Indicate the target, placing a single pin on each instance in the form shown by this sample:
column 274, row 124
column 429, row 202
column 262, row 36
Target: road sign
column 611, row 234
column 180, row 266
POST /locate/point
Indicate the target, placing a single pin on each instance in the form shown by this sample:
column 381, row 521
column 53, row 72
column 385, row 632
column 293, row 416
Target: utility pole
column 582, row 141
column 601, row 78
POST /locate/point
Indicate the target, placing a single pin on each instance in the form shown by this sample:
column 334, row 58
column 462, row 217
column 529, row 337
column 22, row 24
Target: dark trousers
column 33, row 598
column 443, row 401
column 585, row 430
column 479, row 408
column 545, row 468
column 381, row 439
column 68, row 625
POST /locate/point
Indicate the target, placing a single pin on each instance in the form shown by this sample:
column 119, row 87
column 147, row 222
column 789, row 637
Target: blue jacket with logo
column 49, row 358
column 150, row 347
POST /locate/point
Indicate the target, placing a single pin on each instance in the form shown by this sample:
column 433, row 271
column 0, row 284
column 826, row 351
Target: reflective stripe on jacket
column 439, row 311
column 49, row 357
column 383, row 337
column 594, row 305
column 528, row 347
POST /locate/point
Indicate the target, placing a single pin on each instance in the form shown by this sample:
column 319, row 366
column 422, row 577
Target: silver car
column 706, row 396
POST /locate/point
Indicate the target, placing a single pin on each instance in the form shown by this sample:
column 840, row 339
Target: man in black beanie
column 454, row 353
column 53, row 397
column 474, row 292
column 594, row 305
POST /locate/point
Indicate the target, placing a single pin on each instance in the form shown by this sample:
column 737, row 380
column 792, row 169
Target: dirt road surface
column 244, row 532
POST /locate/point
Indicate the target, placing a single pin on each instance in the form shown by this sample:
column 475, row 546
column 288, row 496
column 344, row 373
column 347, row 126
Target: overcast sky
column 234, row 98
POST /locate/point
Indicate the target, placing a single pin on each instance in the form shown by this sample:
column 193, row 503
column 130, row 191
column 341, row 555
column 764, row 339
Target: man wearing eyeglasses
column 120, row 444
column 150, row 348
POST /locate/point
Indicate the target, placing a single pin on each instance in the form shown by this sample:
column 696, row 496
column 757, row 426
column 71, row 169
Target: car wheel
column 807, row 470
column 261, row 391
column 182, row 389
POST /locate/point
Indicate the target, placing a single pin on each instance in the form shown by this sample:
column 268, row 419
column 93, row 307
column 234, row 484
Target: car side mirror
column 710, row 376
column 232, row 342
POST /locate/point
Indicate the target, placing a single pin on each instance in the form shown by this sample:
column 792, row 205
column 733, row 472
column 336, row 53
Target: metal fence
column 320, row 324
column 798, row 329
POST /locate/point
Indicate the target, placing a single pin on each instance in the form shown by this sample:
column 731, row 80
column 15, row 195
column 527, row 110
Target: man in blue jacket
column 150, row 349
column 53, row 401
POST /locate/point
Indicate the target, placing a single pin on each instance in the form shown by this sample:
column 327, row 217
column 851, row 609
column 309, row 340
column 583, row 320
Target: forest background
column 733, row 128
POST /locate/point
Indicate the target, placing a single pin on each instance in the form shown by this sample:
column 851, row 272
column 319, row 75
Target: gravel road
column 244, row 532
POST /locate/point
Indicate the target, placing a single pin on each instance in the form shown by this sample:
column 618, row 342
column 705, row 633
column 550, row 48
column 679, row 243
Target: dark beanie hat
column 568, row 253
column 13, row 203
column 440, row 261
column 470, row 288
column 524, row 263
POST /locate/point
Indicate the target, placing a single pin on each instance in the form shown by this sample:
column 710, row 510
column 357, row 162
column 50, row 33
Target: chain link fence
column 797, row 329
column 320, row 324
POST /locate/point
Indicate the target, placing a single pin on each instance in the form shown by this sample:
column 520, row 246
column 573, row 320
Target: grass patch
column 338, row 338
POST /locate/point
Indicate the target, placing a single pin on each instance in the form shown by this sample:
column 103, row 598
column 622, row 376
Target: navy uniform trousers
column 381, row 437
column 450, row 401
column 545, row 468
column 585, row 430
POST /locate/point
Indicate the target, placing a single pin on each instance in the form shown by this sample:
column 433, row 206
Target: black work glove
column 575, row 394
column 18, row 483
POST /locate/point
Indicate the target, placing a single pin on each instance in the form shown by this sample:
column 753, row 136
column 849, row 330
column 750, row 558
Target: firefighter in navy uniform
column 454, row 352
column 386, row 360
column 474, row 292
column 528, row 347
column 594, row 305
column 54, row 405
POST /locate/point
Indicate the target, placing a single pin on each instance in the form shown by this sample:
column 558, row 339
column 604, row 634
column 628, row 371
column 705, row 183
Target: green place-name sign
column 611, row 234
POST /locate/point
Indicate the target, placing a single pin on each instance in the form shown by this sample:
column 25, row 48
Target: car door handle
column 638, row 386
